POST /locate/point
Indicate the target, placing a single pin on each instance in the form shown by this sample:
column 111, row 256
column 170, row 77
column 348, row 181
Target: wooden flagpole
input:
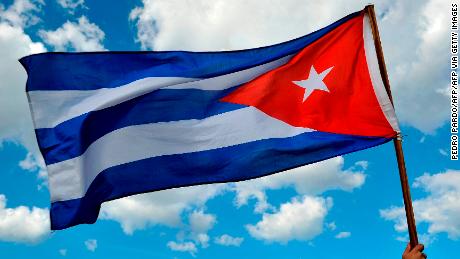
column 369, row 9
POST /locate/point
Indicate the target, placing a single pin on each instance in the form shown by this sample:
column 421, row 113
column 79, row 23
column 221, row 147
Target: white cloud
column 21, row 13
column 331, row 226
column 422, row 139
column 301, row 219
column 363, row 164
column 80, row 36
column 200, row 224
column 71, row 5
column 15, row 116
column 31, row 163
column 14, row 109
column 443, row 152
column 196, row 232
column 202, row 239
column 311, row 179
column 416, row 65
column 292, row 222
column 23, row 225
column 397, row 215
column 63, row 252
column 182, row 247
column 163, row 207
column 343, row 235
column 171, row 24
column 403, row 239
column 36, row 164
column 439, row 209
column 423, row 238
column 227, row 240
column 91, row 244
column 166, row 207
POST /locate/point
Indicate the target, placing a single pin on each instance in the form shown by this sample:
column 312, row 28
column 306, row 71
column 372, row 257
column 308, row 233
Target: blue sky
column 347, row 207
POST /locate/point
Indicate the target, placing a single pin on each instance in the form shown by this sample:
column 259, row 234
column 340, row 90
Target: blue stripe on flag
column 235, row 163
column 94, row 70
column 72, row 137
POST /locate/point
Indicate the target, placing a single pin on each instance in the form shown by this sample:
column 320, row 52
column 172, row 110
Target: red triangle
column 350, row 106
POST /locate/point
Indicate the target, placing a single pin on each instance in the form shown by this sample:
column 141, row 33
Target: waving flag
column 112, row 124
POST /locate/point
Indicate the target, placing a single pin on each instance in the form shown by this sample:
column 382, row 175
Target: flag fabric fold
column 113, row 124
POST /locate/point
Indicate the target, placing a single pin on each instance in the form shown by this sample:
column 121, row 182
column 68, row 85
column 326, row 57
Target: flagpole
column 369, row 9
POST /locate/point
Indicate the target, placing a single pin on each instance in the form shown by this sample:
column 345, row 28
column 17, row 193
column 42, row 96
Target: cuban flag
column 113, row 124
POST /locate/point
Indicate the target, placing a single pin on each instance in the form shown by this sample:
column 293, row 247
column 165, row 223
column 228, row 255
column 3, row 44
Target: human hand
column 415, row 253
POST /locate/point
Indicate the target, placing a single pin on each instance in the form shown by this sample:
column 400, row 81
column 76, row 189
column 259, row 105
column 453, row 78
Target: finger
column 407, row 250
column 424, row 255
column 418, row 248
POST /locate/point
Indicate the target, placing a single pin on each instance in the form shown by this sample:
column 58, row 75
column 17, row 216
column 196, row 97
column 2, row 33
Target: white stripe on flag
column 70, row 179
column 376, row 78
column 51, row 108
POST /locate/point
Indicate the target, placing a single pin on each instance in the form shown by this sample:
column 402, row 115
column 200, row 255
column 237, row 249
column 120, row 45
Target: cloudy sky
column 345, row 207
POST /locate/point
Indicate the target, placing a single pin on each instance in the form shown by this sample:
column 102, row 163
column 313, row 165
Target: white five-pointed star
column 313, row 82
